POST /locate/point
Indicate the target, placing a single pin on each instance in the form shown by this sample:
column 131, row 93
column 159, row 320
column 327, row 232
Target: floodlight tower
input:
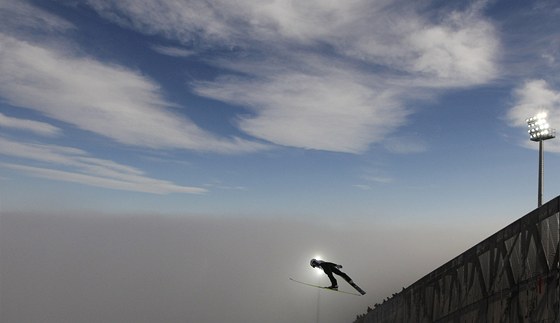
column 539, row 130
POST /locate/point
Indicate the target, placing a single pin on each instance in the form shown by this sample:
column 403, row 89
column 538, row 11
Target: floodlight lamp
column 539, row 129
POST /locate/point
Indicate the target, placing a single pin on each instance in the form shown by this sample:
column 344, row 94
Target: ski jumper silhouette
column 331, row 268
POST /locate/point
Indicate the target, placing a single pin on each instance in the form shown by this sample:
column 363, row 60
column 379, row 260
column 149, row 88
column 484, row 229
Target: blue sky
column 149, row 149
column 279, row 108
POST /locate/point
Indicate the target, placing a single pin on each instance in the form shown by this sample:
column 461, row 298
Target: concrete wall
column 512, row 276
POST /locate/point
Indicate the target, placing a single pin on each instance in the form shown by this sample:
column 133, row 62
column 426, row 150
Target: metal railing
column 512, row 276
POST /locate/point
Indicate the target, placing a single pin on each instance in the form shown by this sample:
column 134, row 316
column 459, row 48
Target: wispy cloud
column 362, row 187
column 405, row 145
column 108, row 100
column 18, row 15
column 81, row 168
column 184, row 20
column 375, row 175
column 532, row 50
column 340, row 87
column 459, row 47
column 37, row 127
column 328, row 111
column 145, row 185
column 219, row 185
column 173, row 51
column 532, row 97
column 379, row 179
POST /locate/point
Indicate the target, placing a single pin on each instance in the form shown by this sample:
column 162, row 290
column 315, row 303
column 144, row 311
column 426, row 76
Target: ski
column 321, row 287
column 358, row 288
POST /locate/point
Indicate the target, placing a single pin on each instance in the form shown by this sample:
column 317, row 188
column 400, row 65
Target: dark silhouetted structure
column 512, row 276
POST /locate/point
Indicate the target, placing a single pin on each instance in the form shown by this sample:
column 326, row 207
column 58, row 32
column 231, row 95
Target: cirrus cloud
column 84, row 169
column 108, row 100
column 37, row 127
column 322, row 75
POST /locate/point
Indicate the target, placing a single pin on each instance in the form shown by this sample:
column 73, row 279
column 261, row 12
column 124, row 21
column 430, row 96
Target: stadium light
column 539, row 130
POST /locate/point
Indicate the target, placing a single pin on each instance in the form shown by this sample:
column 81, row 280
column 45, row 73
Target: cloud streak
column 105, row 99
column 340, row 87
column 84, row 169
column 330, row 111
column 37, row 127
column 18, row 15
column 173, row 51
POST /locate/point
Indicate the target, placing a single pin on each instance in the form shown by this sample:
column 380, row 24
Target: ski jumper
column 329, row 268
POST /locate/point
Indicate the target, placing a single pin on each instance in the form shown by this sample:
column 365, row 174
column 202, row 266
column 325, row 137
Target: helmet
column 314, row 263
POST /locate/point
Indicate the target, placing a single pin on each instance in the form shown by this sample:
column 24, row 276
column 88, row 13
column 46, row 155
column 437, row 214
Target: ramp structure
column 512, row 276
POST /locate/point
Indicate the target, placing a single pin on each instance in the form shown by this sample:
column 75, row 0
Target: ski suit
column 329, row 268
